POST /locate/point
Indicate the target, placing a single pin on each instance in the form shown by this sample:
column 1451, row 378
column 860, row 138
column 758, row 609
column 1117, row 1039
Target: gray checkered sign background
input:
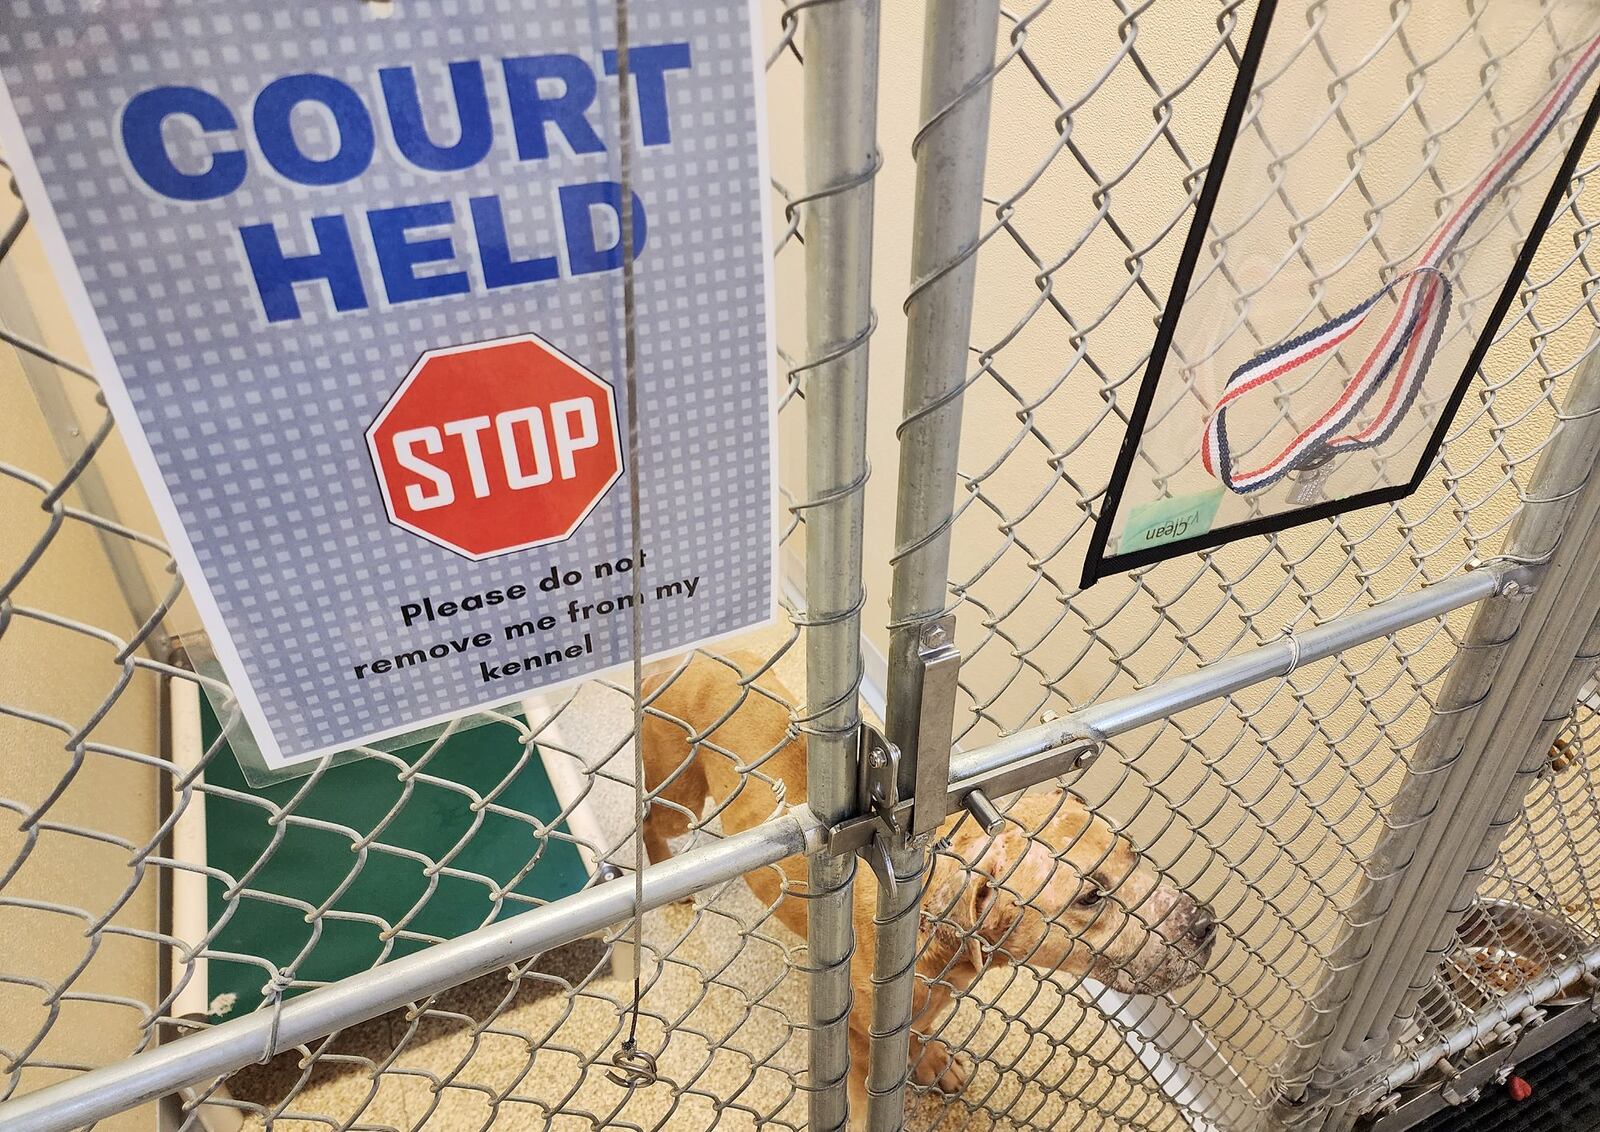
column 257, row 426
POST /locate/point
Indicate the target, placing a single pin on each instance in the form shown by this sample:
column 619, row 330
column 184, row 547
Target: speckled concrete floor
column 720, row 1014
column 723, row 1013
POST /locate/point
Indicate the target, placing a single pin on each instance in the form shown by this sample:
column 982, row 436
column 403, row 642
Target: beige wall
column 1111, row 128
column 54, row 678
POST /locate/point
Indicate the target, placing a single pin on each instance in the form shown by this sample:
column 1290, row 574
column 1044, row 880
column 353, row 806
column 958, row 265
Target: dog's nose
column 1204, row 926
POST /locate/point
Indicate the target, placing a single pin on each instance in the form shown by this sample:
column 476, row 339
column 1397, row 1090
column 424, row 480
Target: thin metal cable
column 638, row 1068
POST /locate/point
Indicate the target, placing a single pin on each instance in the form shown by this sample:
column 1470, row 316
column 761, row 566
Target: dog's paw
column 939, row 1068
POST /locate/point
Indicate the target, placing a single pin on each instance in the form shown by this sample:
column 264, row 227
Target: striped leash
column 1401, row 357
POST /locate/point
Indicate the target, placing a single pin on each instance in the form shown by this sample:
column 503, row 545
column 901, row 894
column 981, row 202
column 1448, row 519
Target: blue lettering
column 494, row 251
column 530, row 110
column 649, row 66
column 142, row 121
column 475, row 134
column 584, row 256
column 398, row 257
column 274, row 110
column 276, row 274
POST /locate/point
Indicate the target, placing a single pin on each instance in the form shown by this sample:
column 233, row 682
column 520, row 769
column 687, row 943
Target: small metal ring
column 637, row 1068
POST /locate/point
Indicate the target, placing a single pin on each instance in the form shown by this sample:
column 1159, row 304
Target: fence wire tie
column 272, row 993
column 1294, row 661
column 1348, row 1073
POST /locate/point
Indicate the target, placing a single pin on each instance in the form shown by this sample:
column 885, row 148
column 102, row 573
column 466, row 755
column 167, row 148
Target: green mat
column 311, row 864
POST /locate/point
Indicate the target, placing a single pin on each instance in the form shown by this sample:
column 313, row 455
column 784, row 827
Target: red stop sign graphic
column 495, row 446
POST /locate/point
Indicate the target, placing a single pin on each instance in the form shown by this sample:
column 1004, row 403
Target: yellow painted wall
column 89, row 795
column 54, row 678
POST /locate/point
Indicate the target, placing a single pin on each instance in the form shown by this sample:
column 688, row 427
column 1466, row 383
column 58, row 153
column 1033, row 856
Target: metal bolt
column 984, row 812
column 1511, row 588
column 933, row 636
column 878, row 759
column 1049, row 716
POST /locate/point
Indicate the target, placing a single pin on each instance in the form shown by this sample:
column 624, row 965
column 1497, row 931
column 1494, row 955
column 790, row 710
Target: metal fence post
column 950, row 150
column 1535, row 756
column 1444, row 875
column 1512, row 1006
column 1458, row 774
column 841, row 101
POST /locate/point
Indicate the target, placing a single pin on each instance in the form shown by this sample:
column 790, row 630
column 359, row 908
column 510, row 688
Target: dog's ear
column 953, row 909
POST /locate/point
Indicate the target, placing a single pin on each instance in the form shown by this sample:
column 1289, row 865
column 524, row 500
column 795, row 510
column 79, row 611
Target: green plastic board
column 310, row 864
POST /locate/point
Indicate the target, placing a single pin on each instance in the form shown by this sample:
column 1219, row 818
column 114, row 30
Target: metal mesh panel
column 1266, row 804
column 724, row 992
column 1536, row 913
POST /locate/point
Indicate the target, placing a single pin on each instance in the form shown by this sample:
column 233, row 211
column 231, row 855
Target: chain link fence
column 1157, row 949
column 1533, row 920
column 1266, row 805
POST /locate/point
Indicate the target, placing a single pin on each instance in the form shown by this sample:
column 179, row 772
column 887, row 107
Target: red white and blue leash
column 1402, row 355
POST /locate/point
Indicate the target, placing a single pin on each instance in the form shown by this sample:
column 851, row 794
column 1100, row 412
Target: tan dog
column 1057, row 888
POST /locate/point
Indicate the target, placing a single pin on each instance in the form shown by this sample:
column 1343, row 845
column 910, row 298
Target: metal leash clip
column 1310, row 483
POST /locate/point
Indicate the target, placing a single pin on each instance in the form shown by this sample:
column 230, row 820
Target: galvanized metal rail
column 1024, row 759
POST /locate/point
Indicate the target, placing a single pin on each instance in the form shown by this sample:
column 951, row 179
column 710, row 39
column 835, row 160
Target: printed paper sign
column 350, row 276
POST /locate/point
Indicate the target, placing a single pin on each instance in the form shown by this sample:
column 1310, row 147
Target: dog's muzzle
column 1174, row 954
column 1191, row 951
column 1203, row 934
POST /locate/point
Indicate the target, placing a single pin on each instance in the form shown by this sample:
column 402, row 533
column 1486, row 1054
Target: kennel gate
column 1339, row 737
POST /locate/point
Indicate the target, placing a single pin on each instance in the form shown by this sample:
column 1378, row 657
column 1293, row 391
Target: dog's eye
column 1089, row 897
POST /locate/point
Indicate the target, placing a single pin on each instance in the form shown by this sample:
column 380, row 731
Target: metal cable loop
column 1469, row 706
column 905, row 550
column 949, row 397
column 1502, row 642
column 1541, row 559
column 1544, row 499
column 1018, row 38
column 923, row 282
column 788, row 24
column 806, row 722
column 272, row 995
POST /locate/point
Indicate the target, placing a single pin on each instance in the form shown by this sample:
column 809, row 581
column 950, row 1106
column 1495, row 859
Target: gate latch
column 883, row 824
column 888, row 820
column 879, row 763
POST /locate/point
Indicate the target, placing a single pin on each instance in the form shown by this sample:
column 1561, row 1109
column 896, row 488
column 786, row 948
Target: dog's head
column 1058, row 888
